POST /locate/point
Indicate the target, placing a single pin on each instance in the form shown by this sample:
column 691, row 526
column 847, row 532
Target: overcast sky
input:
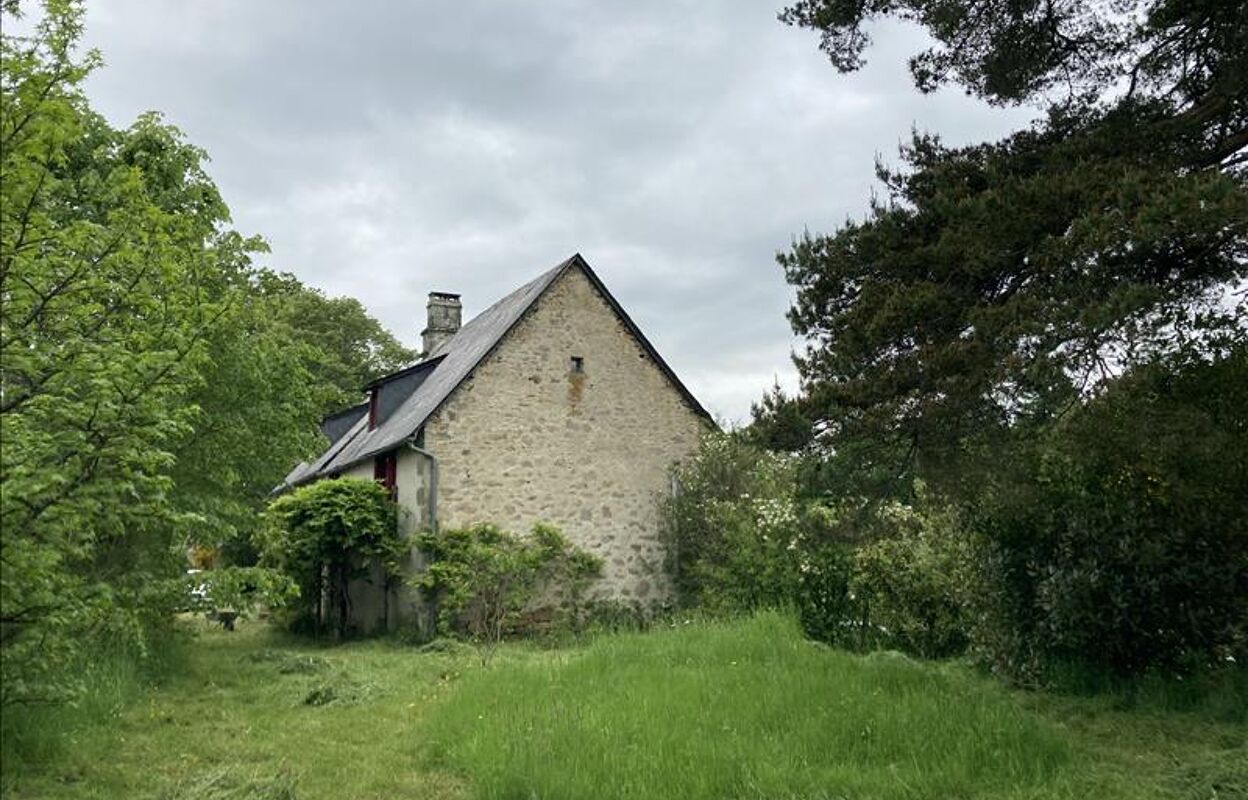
column 388, row 149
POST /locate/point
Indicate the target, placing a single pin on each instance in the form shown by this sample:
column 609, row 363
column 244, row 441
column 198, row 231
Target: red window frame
column 386, row 472
column 372, row 409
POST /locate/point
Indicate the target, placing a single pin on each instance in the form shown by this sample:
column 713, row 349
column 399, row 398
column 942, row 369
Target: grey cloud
column 386, row 149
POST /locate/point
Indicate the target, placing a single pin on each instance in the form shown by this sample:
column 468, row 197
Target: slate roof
column 458, row 356
column 338, row 423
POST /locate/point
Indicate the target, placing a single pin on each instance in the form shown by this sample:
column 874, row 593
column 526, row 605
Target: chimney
column 442, row 321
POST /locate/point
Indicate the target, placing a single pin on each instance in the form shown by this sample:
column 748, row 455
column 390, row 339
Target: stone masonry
column 535, row 435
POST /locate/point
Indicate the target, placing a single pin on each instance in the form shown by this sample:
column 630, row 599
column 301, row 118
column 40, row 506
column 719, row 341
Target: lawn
column 740, row 709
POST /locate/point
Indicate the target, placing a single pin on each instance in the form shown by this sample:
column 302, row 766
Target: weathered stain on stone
column 576, row 388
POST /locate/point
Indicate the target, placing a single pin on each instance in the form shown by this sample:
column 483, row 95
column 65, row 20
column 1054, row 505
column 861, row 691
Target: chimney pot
column 443, row 313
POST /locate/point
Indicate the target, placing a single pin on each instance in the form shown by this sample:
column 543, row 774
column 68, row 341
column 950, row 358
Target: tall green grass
column 256, row 714
column 1215, row 693
column 115, row 676
column 739, row 709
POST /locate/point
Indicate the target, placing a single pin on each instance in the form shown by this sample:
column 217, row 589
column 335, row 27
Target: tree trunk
column 342, row 603
column 318, row 589
column 385, row 599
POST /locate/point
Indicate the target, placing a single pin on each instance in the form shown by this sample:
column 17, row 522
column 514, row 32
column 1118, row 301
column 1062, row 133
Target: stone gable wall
column 525, row 438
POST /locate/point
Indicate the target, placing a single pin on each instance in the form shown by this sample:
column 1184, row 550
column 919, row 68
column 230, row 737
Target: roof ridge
column 549, row 275
column 460, row 355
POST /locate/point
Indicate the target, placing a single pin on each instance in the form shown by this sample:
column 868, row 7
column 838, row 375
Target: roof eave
column 641, row 338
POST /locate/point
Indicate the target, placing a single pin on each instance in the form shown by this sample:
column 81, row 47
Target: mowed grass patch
column 741, row 709
column 257, row 715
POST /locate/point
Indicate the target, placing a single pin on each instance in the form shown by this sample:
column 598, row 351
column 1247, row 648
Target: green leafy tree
column 108, row 296
column 153, row 386
column 351, row 349
column 327, row 534
column 253, row 380
column 999, row 284
column 254, row 412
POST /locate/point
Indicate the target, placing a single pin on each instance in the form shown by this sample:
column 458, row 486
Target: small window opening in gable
column 578, row 365
column 372, row 409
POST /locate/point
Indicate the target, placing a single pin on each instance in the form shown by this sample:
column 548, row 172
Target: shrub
column 734, row 527
column 825, row 605
column 741, row 537
column 1122, row 543
column 907, row 584
column 482, row 578
column 324, row 535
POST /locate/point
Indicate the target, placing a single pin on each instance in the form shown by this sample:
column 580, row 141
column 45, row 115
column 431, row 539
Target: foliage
column 351, row 348
column 1192, row 55
column 1003, row 282
column 1126, row 546
column 825, row 603
column 1014, row 324
column 733, row 527
column 858, row 574
column 255, row 386
column 284, row 356
column 779, row 423
column 482, row 578
column 239, row 590
column 107, row 297
column 1111, row 540
column 909, row 584
column 324, row 535
column 142, row 358
column 1000, row 283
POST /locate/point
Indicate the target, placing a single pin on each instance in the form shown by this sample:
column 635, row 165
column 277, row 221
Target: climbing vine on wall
column 327, row 534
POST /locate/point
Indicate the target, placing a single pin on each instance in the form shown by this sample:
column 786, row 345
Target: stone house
column 550, row 405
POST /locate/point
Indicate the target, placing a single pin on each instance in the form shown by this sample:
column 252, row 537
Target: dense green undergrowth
column 744, row 708
column 113, row 679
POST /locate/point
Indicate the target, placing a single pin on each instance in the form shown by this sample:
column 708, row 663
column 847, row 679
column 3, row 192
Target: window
column 578, row 365
column 386, row 472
